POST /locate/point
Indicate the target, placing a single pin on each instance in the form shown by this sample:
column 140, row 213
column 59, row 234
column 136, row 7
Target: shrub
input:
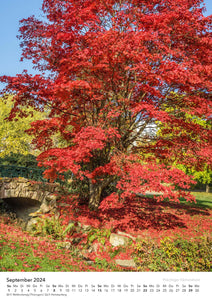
column 176, row 255
column 50, row 226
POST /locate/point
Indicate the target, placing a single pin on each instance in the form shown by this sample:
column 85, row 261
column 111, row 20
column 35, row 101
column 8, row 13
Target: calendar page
column 78, row 285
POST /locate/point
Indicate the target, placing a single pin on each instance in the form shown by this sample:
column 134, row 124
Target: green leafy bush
column 50, row 226
column 18, row 159
column 177, row 255
column 101, row 235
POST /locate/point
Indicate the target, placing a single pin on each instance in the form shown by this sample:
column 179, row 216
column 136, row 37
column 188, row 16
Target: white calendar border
column 203, row 279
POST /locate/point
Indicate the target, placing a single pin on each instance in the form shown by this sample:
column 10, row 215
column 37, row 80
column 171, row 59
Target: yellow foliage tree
column 13, row 136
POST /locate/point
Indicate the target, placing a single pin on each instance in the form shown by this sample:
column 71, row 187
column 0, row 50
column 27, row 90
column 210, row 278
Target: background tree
column 113, row 65
column 13, row 137
column 199, row 167
column 203, row 176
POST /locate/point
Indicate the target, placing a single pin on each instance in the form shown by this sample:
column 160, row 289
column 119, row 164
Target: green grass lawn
column 12, row 260
column 27, row 256
column 203, row 199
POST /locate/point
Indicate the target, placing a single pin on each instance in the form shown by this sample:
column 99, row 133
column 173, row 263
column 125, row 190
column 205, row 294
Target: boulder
column 31, row 224
column 86, row 228
column 126, row 263
column 127, row 235
column 44, row 208
column 118, row 240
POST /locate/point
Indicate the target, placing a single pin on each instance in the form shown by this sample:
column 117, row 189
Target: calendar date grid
column 45, row 289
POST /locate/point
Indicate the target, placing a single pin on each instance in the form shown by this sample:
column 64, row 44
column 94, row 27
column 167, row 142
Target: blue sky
column 11, row 12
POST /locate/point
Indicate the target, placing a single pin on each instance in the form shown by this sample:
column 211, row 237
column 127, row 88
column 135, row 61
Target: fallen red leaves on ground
column 142, row 216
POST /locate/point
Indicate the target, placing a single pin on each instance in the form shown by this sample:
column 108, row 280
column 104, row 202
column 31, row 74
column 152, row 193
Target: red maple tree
column 109, row 73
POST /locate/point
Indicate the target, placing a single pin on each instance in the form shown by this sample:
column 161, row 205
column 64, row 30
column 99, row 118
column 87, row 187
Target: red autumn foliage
column 113, row 69
column 144, row 217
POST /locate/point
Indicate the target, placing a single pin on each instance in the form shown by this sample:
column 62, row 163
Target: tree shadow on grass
column 143, row 214
column 187, row 208
column 200, row 204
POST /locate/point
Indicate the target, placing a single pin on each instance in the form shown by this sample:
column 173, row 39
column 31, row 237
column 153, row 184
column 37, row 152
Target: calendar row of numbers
column 99, row 288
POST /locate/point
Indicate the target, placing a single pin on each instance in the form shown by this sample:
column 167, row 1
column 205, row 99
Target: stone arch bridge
column 28, row 198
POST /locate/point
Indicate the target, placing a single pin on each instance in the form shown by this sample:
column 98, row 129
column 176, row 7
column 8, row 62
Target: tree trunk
column 207, row 188
column 95, row 195
column 96, row 191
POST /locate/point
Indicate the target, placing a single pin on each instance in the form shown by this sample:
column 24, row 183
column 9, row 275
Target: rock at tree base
column 118, row 240
column 127, row 263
